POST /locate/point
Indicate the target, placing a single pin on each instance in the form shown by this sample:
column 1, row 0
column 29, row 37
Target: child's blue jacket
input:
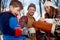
column 8, row 23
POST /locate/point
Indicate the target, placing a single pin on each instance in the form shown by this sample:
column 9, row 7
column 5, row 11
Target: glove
column 18, row 31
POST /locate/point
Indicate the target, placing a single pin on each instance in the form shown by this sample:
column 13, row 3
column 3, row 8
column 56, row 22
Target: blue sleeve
column 13, row 22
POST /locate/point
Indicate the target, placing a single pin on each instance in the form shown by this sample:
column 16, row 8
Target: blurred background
column 39, row 6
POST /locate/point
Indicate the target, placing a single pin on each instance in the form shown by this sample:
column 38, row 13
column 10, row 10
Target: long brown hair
column 51, row 14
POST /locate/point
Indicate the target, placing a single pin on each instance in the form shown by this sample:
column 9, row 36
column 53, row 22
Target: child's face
column 47, row 9
column 31, row 11
column 15, row 10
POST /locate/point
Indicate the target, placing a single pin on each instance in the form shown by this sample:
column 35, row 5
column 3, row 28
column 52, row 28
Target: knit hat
column 55, row 7
column 32, row 5
column 47, row 3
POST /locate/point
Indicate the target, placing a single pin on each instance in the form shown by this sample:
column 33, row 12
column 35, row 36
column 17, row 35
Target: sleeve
column 14, row 25
column 13, row 22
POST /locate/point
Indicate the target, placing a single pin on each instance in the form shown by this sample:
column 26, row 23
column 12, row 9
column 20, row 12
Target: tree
column 4, row 4
column 56, row 2
column 40, row 8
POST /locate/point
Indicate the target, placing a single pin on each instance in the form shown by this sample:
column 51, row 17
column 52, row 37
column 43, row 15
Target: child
column 8, row 21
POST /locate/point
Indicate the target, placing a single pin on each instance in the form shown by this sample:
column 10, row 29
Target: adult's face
column 31, row 11
column 47, row 9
